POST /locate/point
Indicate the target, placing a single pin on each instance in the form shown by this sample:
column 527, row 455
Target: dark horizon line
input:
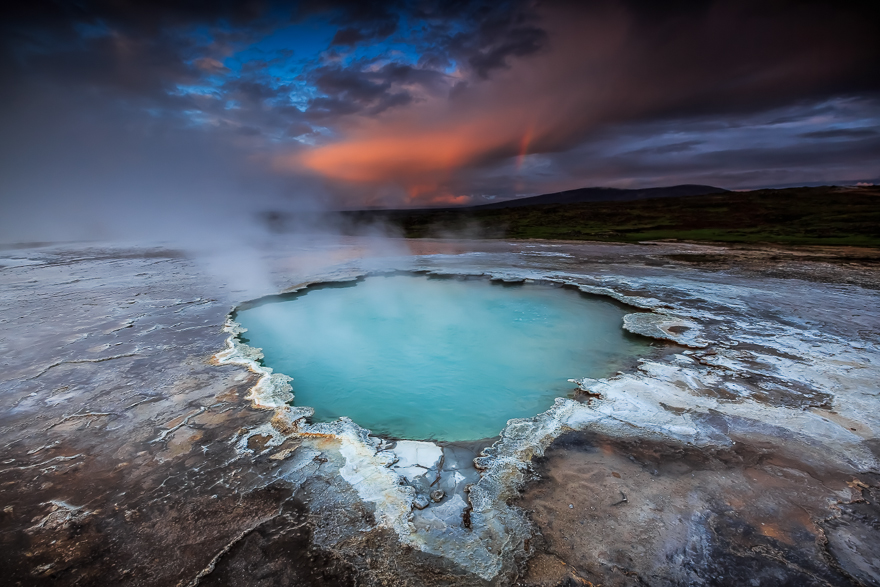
column 848, row 183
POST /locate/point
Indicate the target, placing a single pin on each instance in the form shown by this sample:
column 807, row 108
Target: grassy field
column 809, row 216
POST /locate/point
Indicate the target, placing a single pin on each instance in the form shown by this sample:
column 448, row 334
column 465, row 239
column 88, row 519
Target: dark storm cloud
column 136, row 65
column 543, row 79
column 840, row 133
column 253, row 90
column 99, row 31
column 357, row 85
column 323, row 108
column 351, row 36
column 669, row 148
column 134, row 14
column 429, row 100
column 715, row 58
column 358, row 22
column 500, row 39
column 368, row 89
column 795, row 159
column 754, row 167
column 482, row 36
column 139, row 52
column 347, row 13
column 741, row 151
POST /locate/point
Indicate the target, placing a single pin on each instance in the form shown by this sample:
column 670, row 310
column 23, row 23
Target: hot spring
column 416, row 357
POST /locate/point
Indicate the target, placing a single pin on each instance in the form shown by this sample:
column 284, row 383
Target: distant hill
column 826, row 215
column 583, row 195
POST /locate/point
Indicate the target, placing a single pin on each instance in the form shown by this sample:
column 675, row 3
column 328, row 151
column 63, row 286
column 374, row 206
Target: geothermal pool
column 415, row 357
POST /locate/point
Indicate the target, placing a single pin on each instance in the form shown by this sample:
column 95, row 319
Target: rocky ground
column 631, row 512
column 135, row 452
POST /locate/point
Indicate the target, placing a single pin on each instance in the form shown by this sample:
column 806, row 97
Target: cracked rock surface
column 743, row 451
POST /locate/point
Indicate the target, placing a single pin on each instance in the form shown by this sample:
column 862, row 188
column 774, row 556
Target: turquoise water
column 420, row 358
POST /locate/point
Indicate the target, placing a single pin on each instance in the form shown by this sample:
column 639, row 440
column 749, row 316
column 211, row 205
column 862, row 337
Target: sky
column 122, row 115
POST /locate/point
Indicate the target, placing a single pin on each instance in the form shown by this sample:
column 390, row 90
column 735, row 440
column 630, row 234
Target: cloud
column 210, row 65
column 752, row 154
column 350, row 37
column 840, row 133
column 595, row 66
column 499, row 38
column 364, row 88
column 430, row 101
column 668, row 148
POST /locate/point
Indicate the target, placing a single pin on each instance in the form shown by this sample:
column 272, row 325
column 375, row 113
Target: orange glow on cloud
column 591, row 75
column 367, row 159
column 425, row 148
column 419, row 160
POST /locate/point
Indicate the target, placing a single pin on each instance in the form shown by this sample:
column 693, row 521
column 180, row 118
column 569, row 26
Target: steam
column 74, row 169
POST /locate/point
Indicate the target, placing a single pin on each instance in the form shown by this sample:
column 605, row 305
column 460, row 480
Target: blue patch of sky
column 290, row 52
column 284, row 56
column 286, row 51
column 198, row 90
column 287, row 54
column 396, row 49
column 198, row 118
column 314, row 138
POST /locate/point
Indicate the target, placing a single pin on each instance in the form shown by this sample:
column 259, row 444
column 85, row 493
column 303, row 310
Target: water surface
column 424, row 358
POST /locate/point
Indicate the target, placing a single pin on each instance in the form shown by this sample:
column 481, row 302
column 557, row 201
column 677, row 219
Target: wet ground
column 616, row 512
column 745, row 454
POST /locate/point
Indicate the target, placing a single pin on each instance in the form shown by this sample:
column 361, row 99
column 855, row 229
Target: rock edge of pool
column 441, row 358
column 145, row 444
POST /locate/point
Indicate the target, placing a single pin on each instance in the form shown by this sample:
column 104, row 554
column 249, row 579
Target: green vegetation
column 807, row 216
